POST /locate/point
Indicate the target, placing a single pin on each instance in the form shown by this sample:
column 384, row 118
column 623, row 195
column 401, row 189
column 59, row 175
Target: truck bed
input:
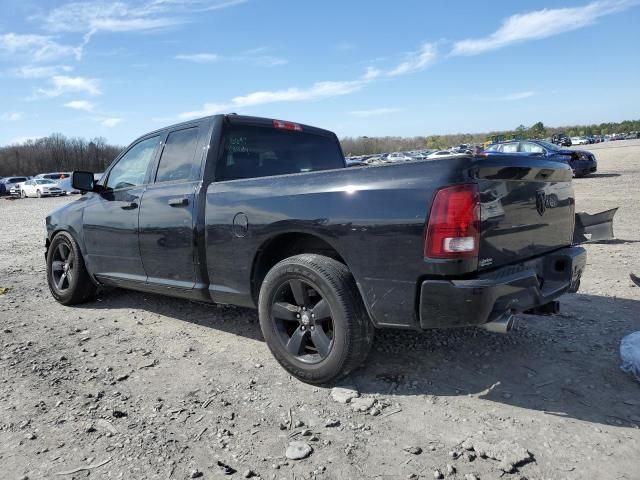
column 375, row 218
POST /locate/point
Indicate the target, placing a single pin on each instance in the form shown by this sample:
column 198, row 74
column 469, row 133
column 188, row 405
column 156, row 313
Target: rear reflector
column 453, row 230
column 287, row 125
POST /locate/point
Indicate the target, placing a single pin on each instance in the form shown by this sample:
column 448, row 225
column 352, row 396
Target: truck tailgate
column 527, row 209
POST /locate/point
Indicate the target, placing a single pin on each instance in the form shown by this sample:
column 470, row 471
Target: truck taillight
column 287, row 125
column 453, row 230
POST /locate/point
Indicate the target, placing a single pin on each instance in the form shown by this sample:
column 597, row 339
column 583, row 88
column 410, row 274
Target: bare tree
column 56, row 153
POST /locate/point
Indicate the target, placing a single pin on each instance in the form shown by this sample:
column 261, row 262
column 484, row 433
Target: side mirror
column 83, row 181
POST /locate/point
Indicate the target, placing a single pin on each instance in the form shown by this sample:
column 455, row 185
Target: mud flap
column 596, row 227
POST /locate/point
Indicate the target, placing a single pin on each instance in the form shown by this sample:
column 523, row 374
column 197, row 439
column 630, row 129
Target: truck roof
column 235, row 119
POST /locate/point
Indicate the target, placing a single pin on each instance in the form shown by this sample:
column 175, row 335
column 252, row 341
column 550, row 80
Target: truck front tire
column 313, row 319
column 67, row 276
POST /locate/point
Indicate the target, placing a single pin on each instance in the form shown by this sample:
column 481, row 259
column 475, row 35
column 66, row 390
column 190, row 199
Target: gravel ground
column 138, row 386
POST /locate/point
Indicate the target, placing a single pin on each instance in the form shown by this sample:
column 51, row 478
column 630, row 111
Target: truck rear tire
column 313, row 318
column 67, row 275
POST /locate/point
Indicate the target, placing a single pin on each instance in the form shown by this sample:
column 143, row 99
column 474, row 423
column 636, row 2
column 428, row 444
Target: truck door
column 167, row 213
column 110, row 217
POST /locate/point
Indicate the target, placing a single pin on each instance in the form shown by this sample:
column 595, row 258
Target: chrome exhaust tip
column 502, row 324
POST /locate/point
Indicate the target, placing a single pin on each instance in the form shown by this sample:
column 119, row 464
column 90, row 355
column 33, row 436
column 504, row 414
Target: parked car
column 264, row 213
column 54, row 175
column 561, row 139
column 354, row 162
column 9, row 182
column 579, row 141
column 581, row 162
column 65, row 184
column 445, row 154
column 41, row 187
column 398, row 157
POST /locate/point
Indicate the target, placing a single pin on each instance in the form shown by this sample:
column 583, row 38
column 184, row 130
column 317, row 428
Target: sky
column 118, row 69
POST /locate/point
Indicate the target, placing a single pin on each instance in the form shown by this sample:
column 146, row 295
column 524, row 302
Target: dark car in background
column 561, row 139
column 581, row 162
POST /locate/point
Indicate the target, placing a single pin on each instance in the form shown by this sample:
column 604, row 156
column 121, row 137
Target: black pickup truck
column 263, row 213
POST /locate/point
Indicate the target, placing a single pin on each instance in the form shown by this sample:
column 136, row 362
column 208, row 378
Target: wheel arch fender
column 69, row 219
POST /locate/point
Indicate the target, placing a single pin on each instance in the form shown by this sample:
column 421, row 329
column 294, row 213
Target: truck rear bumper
column 514, row 289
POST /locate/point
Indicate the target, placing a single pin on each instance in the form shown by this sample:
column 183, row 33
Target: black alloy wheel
column 303, row 321
column 62, row 267
column 67, row 276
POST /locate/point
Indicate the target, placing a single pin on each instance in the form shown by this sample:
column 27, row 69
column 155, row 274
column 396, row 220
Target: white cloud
column 80, row 105
column 317, row 91
column 24, row 139
column 371, row 74
column 207, row 109
column 30, row 71
column 109, row 122
column 541, row 24
column 62, row 84
column 374, row 112
column 38, row 48
column 255, row 56
column 510, row 97
column 222, row 4
column 345, row 47
column 416, row 61
column 517, row 96
column 198, row 57
column 102, row 118
column 11, row 116
column 93, row 16
column 268, row 61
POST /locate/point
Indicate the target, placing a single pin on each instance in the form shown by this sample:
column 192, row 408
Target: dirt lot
column 138, row 386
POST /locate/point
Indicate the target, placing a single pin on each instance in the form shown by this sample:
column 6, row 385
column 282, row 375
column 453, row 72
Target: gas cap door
column 240, row 225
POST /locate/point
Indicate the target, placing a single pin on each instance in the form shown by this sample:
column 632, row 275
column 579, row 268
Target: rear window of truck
column 251, row 151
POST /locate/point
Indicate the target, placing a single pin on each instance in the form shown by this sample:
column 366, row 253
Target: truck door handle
column 178, row 202
column 130, row 206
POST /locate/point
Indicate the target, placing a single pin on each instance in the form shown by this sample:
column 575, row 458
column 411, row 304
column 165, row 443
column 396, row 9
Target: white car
column 14, row 191
column 41, row 187
column 65, row 184
column 579, row 141
column 398, row 157
column 445, row 154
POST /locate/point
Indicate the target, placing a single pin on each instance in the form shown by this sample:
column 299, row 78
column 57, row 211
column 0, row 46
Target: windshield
column 44, row 182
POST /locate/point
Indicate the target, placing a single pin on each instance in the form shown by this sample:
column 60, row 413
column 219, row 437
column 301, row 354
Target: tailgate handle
column 179, row 202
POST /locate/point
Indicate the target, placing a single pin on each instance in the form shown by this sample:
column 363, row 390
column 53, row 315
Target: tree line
column 56, row 153
column 373, row 145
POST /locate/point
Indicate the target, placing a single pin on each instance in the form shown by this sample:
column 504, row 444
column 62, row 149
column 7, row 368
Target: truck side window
column 252, row 151
column 131, row 169
column 178, row 156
